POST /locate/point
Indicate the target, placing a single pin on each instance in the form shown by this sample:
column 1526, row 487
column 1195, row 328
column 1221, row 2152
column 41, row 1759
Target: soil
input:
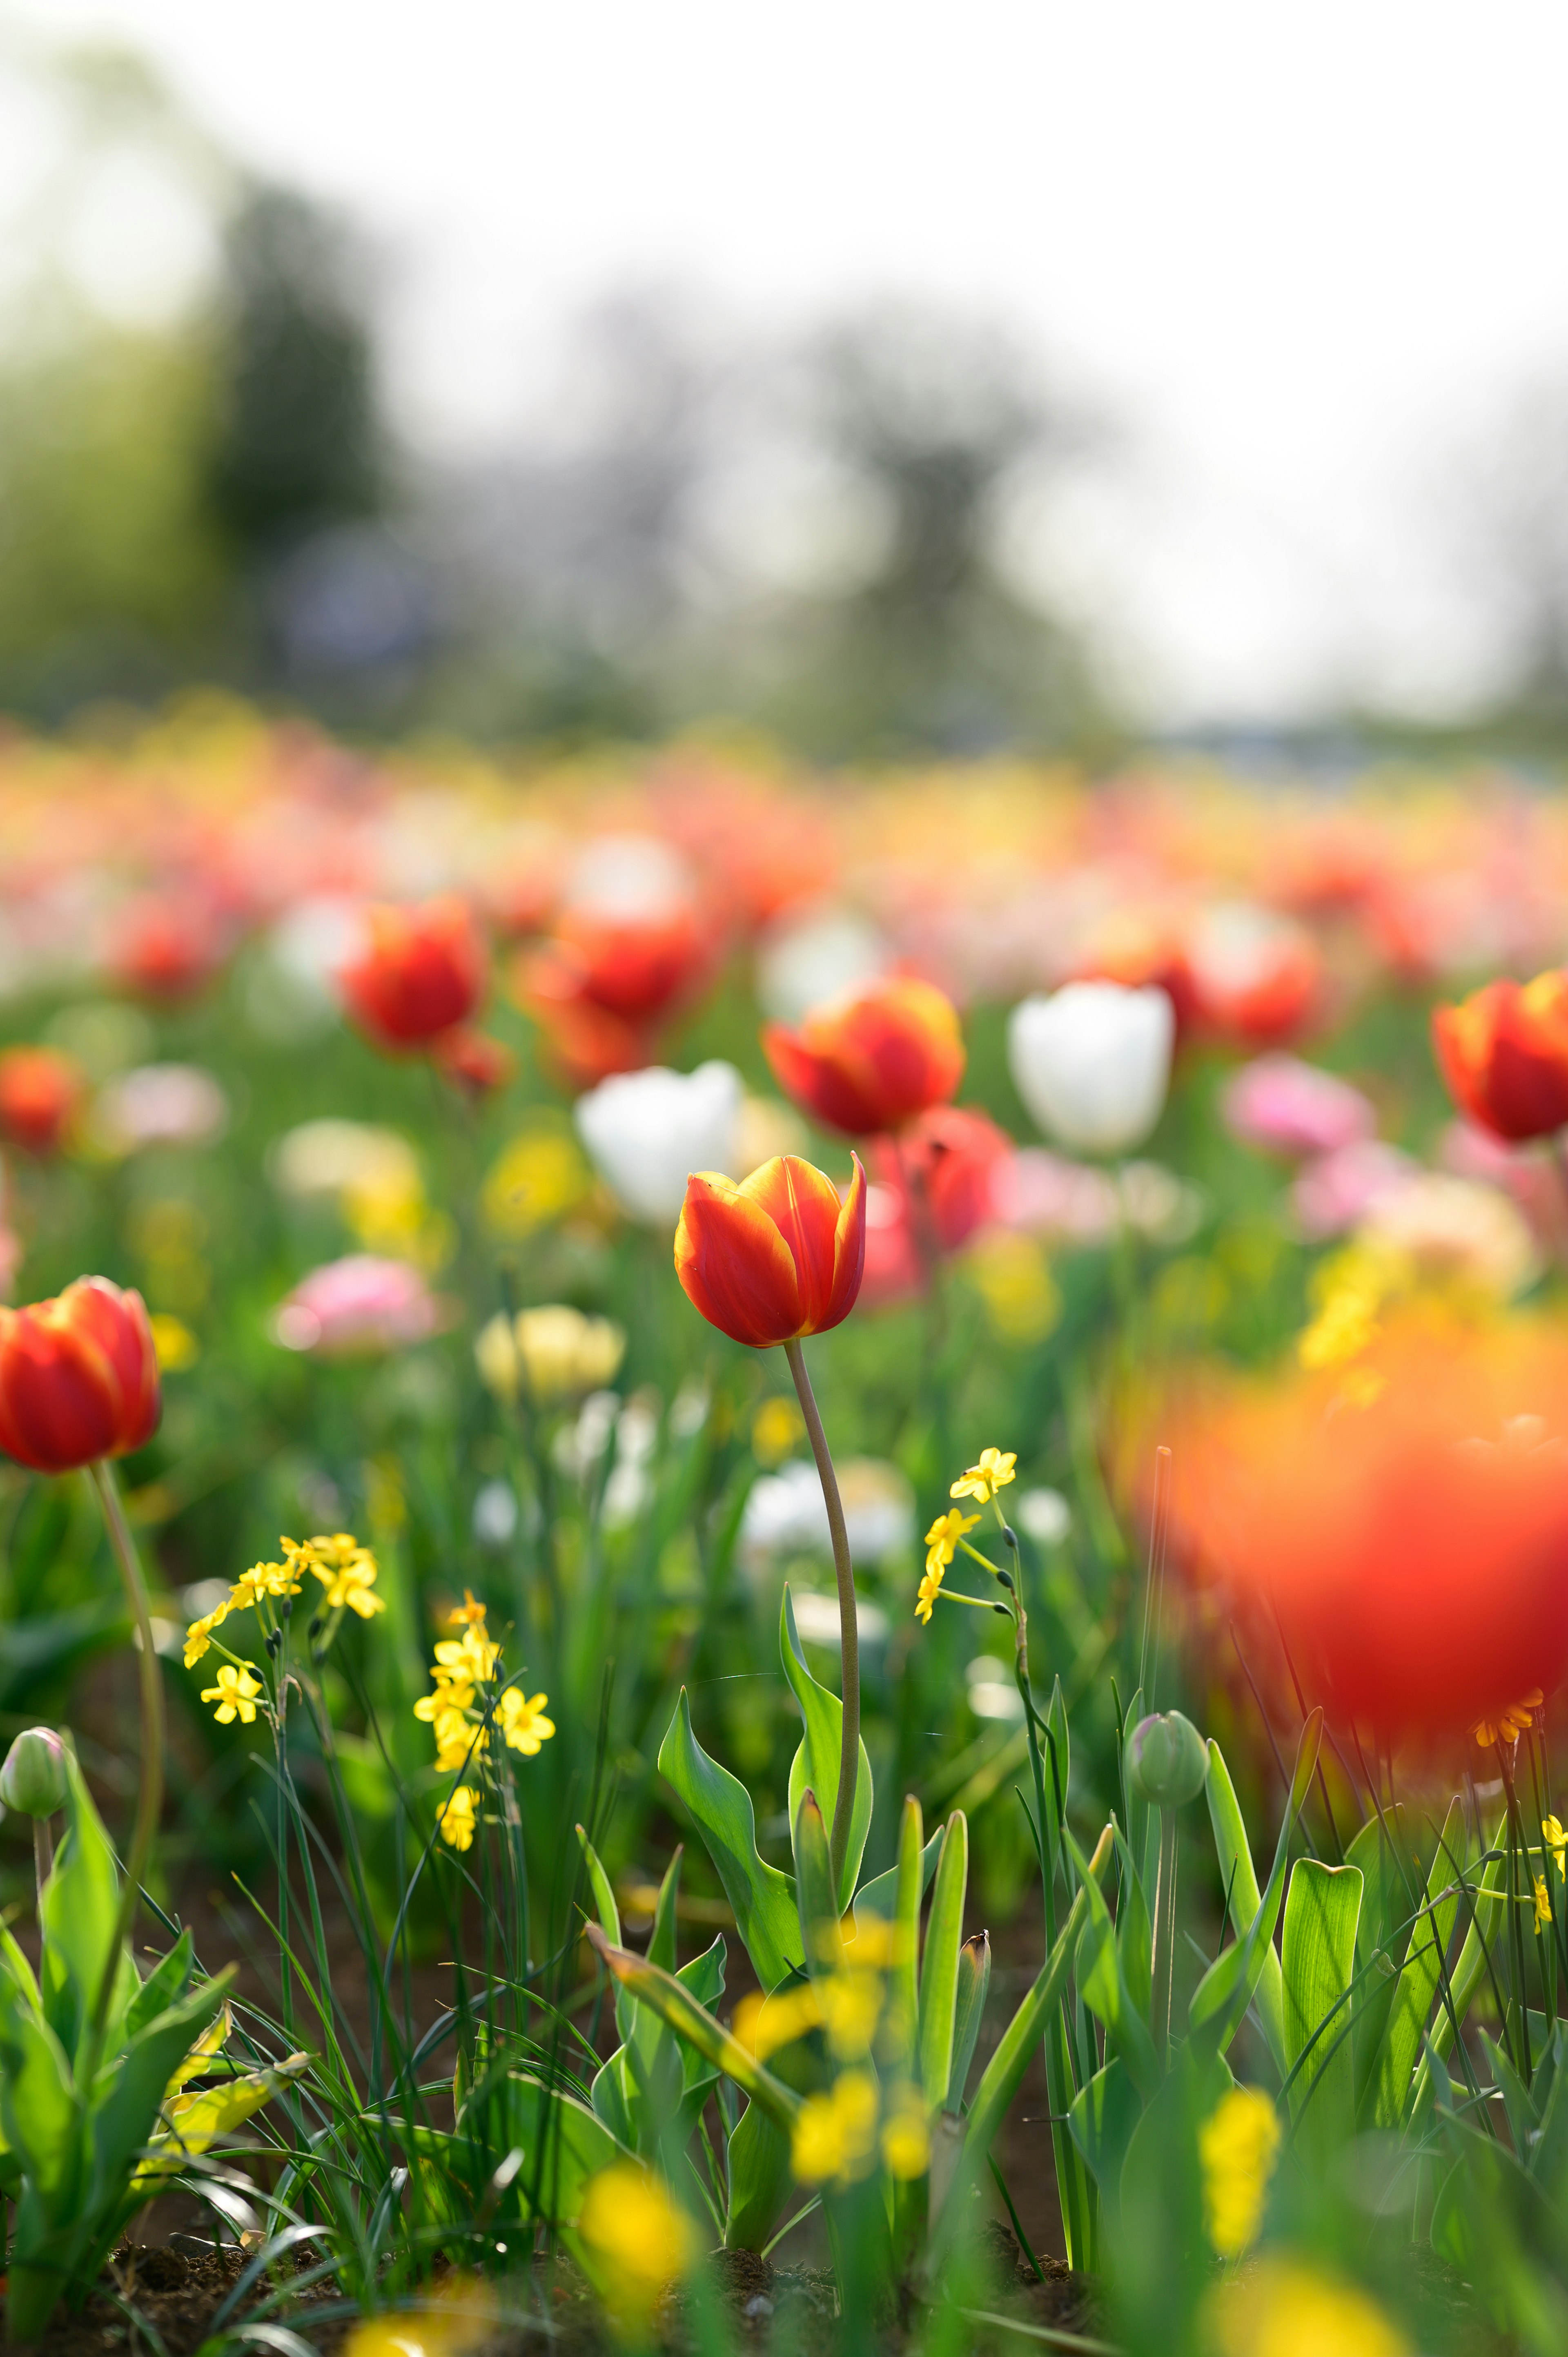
column 175, row 2292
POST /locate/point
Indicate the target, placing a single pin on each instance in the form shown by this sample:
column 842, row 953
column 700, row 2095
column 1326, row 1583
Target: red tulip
column 166, row 945
column 1404, row 1525
column 419, row 971
column 78, row 1377
column 40, row 1090
column 473, row 1061
column 776, row 1257
column 872, row 1059
column 1504, row 1054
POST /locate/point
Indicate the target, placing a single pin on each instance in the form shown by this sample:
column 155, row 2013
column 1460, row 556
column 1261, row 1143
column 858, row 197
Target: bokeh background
column 889, row 378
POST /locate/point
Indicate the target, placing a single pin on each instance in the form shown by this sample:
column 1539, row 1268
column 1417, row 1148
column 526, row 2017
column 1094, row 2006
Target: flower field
column 841, row 1504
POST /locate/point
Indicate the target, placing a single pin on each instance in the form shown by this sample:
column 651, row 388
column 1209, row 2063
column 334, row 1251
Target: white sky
column 1302, row 252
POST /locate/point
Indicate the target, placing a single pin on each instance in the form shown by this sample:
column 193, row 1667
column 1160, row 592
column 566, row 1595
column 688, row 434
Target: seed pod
column 1167, row 1760
column 32, row 1780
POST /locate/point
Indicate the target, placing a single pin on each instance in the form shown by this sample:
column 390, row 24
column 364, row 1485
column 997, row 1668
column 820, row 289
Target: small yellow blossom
column 777, row 1430
column 523, row 1724
column 175, row 1345
column 1542, row 1904
column 457, row 1819
column 763, row 2024
column 982, row 1481
column 235, row 1694
column 199, row 1636
column 851, row 2008
column 906, row 2138
column 1510, row 1724
column 469, row 1659
column 925, row 1594
column 263, row 1579
column 1281, row 2308
column 942, row 1538
column 1238, row 2146
column 469, row 1614
column 1556, row 1841
column 836, row 2134
column 348, row 1572
column 636, row 2240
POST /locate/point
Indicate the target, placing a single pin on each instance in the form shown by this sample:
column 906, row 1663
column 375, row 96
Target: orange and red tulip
column 602, row 986
column 871, row 1060
column 78, row 1377
column 418, row 970
column 474, row 1061
column 1504, row 1054
column 774, row 1258
column 40, row 1090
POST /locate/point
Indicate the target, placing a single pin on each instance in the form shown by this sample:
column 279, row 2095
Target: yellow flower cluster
column 1238, row 2146
column 346, row 1571
column 637, row 2240
column 941, row 1545
column 457, row 1712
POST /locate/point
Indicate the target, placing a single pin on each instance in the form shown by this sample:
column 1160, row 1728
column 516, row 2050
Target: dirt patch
column 175, row 2292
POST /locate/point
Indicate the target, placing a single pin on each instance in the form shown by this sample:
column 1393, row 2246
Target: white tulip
column 1092, row 1062
column 648, row 1131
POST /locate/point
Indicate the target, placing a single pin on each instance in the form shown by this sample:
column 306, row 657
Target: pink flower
column 357, row 1307
column 1337, row 1191
column 1287, row 1106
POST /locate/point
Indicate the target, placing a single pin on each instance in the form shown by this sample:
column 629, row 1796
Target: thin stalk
column 43, row 1852
column 1165, row 1931
column 150, row 1796
column 848, row 1627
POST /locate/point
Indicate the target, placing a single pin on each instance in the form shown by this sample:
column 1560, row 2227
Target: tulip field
column 784, row 1559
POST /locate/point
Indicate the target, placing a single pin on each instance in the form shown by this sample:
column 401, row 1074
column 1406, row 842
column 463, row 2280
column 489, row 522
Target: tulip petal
column 802, row 1203
column 734, row 1265
column 849, row 1251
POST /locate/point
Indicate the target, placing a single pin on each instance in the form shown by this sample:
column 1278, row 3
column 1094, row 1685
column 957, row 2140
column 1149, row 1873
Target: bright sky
column 1304, row 252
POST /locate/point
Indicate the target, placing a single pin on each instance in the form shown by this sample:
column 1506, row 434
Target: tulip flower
column 646, row 1131
column 40, row 1090
column 774, row 1258
column 78, row 1378
column 1092, row 1062
column 601, row 987
column 1289, row 1107
column 872, row 1058
column 415, row 973
column 1504, row 1054
column 359, row 1306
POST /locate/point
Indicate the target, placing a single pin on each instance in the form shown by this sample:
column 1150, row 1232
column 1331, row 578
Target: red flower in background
column 603, row 985
column 1504, row 1054
column 872, row 1059
column 774, row 1258
column 78, row 1377
column 40, row 1090
column 1407, row 1535
column 1240, row 975
column 418, row 972
column 931, row 1192
column 167, row 944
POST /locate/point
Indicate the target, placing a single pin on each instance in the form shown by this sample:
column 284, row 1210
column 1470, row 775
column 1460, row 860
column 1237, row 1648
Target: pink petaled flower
column 1047, row 1195
column 357, row 1307
column 1337, row 1191
column 1287, row 1106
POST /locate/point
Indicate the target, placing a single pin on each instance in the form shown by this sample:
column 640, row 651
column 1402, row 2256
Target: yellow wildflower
column 199, row 1636
column 925, row 1594
column 1510, row 1724
column 942, row 1538
column 836, row 2134
column 1542, row 1904
column 982, row 1481
column 636, row 2239
column 469, row 1659
column 905, row 2139
column 469, row 1614
column 851, row 2007
column 1238, row 2146
column 523, row 1724
column 763, row 2024
column 457, row 1819
column 1556, row 1840
column 235, row 1694
column 349, row 1580
column 1281, row 2308
column 175, row 1345
column 777, row 1429
column 263, row 1579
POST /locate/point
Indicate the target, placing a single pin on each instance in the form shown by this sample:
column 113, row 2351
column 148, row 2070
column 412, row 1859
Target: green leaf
column 881, row 1895
column 165, row 1985
column 820, row 1938
column 973, row 1982
column 1102, row 1985
column 39, row 2101
column 600, row 1884
column 1102, row 2118
column 1394, row 1879
column 676, row 2004
column 815, row 1766
column 763, row 1899
column 131, row 2089
column 1237, row 1874
column 1220, row 2000
column 758, row 2179
column 193, row 2123
column 939, row 1967
column 909, row 1883
column 1058, row 1770
column 1409, row 2002
column 1470, row 1971
column 1322, row 1911
column 78, row 1908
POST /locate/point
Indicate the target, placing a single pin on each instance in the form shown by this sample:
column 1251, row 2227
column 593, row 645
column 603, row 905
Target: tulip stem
column 149, row 1799
column 1163, row 1970
column 848, row 1627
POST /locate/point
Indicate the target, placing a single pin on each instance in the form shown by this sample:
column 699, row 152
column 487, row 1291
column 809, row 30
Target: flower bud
column 1167, row 1760
column 32, row 1780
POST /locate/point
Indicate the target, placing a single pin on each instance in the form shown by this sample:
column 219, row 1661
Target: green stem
column 1165, row 1931
column 149, row 1799
column 848, row 1627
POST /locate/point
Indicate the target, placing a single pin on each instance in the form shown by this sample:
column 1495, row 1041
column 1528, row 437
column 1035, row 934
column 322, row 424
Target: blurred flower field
column 1154, row 1197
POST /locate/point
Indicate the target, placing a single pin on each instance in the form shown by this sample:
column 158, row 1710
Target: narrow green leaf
column 603, row 1896
column 675, row 2004
column 816, row 1763
column 910, row 1888
column 1238, row 1876
column 881, row 1894
column 759, row 2180
column 822, row 1938
column 1220, row 2000
column 762, row 1898
column 1322, row 1910
column 1102, row 2118
column 973, row 1982
column 939, row 1967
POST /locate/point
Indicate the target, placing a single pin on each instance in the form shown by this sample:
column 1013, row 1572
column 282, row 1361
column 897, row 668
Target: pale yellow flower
column 199, row 1636
column 1281, row 2308
column 458, row 1818
column 349, row 1573
column 906, row 2136
column 777, row 1430
column 982, row 1481
column 638, row 2241
column 836, row 2134
column 175, row 1345
column 851, row 2007
column 235, row 1694
column 1238, row 2146
column 1556, row 1840
column 523, row 1724
column 469, row 1614
column 942, row 1538
column 1542, row 1904
column 925, row 1594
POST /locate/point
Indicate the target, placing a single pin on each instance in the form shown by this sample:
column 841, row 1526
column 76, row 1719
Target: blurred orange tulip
column 872, row 1059
column 1504, row 1054
column 40, row 1090
column 417, row 972
column 601, row 986
column 78, row 1377
column 776, row 1258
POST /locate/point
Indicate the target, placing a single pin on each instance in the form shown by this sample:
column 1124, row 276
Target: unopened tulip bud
column 1167, row 1760
column 32, row 1780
